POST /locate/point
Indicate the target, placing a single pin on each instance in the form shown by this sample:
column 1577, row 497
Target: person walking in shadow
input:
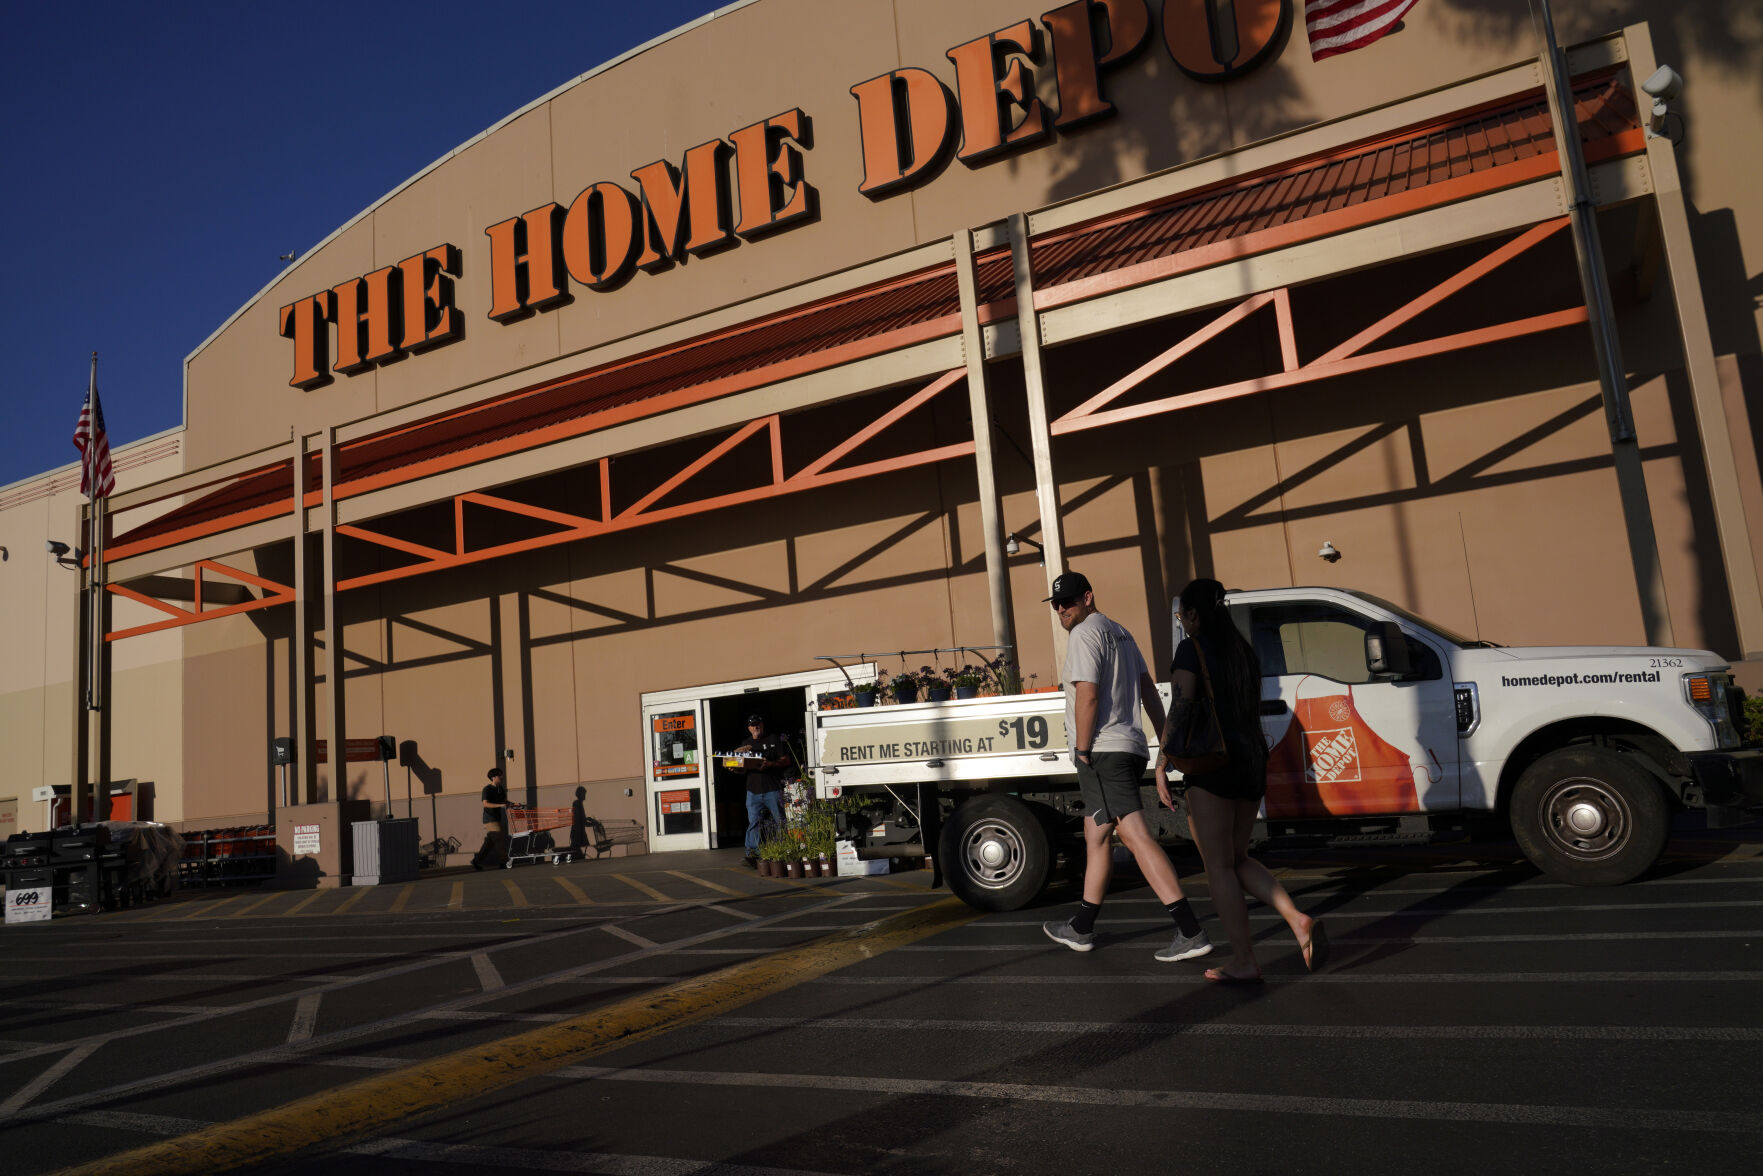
column 493, row 853
column 1214, row 659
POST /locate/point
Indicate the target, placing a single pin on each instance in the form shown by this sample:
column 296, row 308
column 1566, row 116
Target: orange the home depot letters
column 754, row 183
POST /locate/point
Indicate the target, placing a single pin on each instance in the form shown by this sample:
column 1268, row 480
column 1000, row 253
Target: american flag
column 1341, row 26
column 97, row 479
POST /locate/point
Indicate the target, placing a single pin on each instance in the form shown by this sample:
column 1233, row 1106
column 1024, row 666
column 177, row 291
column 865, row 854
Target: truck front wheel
column 1588, row 817
column 994, row 853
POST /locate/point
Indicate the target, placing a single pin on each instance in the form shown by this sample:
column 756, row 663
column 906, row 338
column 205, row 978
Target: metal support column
column 980, row 408
column 336, row 726
column 1730, row 524
column 300, row 653
column 1040, row 435
column 1631, row 485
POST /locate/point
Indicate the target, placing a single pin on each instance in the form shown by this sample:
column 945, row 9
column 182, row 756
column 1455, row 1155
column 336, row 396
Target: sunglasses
column 1065, row 602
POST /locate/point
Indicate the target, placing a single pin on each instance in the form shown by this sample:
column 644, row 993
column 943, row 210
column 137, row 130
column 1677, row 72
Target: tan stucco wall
column 39, row 645
column 1476, row 490
column 761, row 59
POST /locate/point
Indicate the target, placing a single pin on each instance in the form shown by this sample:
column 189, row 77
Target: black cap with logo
column 1069, row 585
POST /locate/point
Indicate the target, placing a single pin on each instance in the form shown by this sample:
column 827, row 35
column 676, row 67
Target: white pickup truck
column 1380, row 726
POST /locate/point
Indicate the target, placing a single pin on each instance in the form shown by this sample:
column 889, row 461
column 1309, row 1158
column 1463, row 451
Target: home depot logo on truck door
column 753, row 182
column 1330, row 762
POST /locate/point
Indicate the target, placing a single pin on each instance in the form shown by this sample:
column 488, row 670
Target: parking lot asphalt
column 1476, row 1017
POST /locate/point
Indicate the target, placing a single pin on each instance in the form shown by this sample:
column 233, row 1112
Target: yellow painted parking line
column 360, row 893
column 573, row 890
column 249, row 907
column 403, row 898
column 720, row 889
column 456, row 900
column 514, row 892
column 205, row 909
column 648, row 890
column 305, row 902
column 374, row 1103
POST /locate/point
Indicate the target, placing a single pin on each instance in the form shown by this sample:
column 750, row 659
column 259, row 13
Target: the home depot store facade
column 611, row 421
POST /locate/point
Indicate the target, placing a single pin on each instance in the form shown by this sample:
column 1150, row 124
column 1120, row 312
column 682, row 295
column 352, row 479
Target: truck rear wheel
column 1588, row 817
column 994, row 853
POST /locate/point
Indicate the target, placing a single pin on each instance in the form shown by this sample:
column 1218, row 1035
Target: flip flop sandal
column 1317, row 955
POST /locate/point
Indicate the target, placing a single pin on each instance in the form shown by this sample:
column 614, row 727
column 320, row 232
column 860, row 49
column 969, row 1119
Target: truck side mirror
column 1386, row 651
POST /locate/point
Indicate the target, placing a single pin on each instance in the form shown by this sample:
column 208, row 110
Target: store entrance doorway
column 694, row 801
column 785, row 714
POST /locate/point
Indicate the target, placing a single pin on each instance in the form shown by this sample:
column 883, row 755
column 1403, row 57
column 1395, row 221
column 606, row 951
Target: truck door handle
column 1274, row 706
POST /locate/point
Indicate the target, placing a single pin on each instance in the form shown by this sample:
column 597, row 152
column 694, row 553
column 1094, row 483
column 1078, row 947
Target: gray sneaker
column 1070, row 936
column 1183, row 947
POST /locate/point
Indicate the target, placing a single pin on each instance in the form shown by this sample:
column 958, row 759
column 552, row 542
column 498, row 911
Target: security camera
column 1011, row 546
column 1665, row 84
column 57, row 548
column 1329, row 552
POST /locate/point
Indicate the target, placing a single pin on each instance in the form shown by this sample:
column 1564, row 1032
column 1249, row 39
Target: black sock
column 1184, row 917
column 1085, row 920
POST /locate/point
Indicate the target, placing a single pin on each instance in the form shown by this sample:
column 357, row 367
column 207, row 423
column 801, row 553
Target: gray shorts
column 1110, row 784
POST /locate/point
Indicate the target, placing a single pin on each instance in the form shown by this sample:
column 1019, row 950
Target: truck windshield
column 1456, row 639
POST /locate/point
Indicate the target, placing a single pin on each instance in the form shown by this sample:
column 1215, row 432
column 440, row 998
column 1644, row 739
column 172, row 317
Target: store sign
column 305, row 839
column 674, row 744
column 754, row 183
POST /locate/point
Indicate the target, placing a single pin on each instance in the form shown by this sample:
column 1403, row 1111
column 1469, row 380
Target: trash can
column 386, row 851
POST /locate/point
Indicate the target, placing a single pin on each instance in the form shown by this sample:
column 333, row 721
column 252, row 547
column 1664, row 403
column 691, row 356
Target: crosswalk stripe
column 720, row 889
column 648, row 890
column 573, row 890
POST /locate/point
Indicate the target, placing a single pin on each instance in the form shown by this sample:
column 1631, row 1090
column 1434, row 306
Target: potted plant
column 865, row 692
column 1007, row 676
column 934, row 685
column 793, row 866
column 966, row 681
column 905, row 686
column 771, row 856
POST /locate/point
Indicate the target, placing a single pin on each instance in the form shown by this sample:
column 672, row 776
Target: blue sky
column 159, row 158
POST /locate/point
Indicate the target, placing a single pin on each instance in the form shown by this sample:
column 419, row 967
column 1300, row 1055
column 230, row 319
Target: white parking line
column 23, row 1095
column 1142, row 1029
column 1672, row 1120
column 281, row 1054
column 627, row 936
column 1168, row 978
column 305, row 1017
column 470, row 1157
column 487, row 976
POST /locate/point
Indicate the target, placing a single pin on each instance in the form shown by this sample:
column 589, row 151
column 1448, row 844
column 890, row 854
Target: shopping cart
column 529, row 833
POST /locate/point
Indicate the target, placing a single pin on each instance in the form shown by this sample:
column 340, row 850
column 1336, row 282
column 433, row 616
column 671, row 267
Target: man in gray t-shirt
column 1106, row 683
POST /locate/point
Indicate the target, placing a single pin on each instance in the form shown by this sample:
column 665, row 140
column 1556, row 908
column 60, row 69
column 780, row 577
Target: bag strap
column 1205, row 674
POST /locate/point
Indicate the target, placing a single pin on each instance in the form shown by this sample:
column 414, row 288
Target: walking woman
column 1222, row 803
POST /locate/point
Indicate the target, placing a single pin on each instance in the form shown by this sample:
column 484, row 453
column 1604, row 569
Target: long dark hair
column 1234, row 668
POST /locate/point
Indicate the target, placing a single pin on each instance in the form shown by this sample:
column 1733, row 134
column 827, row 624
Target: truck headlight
column 1708, row 694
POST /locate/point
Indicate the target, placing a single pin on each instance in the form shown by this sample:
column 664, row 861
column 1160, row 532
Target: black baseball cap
column 752, row 720
column 1069, row 585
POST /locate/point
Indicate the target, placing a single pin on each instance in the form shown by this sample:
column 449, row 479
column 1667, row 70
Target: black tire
column 994, row 853
column 1589, row 817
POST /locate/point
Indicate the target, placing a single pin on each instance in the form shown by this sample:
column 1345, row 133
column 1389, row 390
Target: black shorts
column 1231, row 781
column 1110, row 785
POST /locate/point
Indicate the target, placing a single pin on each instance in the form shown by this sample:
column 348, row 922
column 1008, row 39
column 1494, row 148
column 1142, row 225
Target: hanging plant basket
column 906, row 692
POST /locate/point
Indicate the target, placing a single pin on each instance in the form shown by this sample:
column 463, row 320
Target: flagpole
column 95, row 626
column 1631, row 486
